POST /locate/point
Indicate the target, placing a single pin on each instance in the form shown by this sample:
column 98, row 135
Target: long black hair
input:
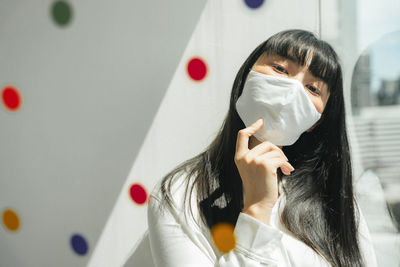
column 320, row 208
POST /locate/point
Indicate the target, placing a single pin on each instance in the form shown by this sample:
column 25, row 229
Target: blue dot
column 254, row 3
column 79, row 244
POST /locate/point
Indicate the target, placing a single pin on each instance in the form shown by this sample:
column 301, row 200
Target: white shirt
column 176, row 240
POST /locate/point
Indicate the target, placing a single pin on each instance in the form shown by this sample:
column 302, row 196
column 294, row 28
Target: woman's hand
column 258, row 169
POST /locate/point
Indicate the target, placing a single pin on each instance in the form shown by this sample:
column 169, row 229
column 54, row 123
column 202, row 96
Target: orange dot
column 10, row 220
column 224, row 237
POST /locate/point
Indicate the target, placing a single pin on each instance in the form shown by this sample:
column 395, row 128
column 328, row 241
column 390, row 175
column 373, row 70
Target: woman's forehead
column 267, row 57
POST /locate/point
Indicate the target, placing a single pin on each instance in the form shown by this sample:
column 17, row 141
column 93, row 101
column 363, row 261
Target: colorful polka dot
column 138, row 194
column 61, row 12
column 224, row 237
column 11, row 98
column 197, row 68
column 79, row 244
column 254, row 3
column 11, row 220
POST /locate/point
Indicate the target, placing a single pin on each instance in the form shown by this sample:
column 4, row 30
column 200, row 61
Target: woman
column 284, row 182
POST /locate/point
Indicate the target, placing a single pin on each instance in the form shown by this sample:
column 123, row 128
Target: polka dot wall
column 12, row 101
column 62, row 106
column 86, row 94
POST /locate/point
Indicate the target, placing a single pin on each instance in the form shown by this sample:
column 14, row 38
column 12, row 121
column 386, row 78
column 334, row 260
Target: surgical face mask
column 283, row 104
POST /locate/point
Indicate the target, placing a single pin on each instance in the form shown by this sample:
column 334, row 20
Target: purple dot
column 79, row 244
column 254, row 3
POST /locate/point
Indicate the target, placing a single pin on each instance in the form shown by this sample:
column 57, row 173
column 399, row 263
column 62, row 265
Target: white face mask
column 283, row 104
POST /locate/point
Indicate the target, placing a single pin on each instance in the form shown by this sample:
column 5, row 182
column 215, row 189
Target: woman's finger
column 242, row 142
column 269, row 154
column 265, row 147
column 276, row 162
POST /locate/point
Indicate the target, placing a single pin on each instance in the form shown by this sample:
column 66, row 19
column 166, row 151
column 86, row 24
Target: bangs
column 316, row 55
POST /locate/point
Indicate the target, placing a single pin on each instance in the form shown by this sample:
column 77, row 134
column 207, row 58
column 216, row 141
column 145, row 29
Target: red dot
column 11, row 98
column 138, row 194
column 197, row 68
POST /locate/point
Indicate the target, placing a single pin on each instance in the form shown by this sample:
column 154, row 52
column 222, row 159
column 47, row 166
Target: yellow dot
column 10, row 220
column 224, row 237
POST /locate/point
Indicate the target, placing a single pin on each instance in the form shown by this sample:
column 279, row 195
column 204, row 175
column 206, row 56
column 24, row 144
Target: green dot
column 61, row 12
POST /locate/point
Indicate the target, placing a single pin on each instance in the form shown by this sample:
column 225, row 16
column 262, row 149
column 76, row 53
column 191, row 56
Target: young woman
column 283, row 181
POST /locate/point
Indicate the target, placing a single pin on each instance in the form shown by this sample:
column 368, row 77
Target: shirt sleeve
column 366, row 246
column 175, row 244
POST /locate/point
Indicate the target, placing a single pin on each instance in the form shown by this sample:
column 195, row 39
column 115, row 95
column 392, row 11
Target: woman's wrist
column 259, row 211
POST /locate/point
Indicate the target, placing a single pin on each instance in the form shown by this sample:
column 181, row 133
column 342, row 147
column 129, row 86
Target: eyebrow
column 293, row 60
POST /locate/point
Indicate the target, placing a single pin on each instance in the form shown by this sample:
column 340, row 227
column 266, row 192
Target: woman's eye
column 313, row 89
column 280, row 69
